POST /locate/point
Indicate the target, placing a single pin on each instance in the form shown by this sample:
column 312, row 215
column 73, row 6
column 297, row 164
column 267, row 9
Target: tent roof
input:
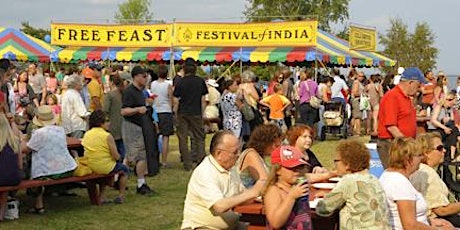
column 329, row 49
column 18, row 46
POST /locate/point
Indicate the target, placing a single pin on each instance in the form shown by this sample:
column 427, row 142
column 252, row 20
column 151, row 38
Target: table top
column 73, row 142
column 254, row 207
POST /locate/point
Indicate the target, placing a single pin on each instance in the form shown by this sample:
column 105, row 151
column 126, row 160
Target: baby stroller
column 335, row 120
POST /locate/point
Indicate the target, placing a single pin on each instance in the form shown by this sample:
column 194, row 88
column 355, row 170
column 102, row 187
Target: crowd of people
column 121, row 117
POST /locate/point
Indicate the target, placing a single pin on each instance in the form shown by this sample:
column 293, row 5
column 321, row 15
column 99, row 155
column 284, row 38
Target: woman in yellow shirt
column 102, row 154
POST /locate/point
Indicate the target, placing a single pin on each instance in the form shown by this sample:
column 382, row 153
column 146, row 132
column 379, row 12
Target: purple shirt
column 306, row 94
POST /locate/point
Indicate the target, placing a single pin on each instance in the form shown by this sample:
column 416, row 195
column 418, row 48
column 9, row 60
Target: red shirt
column 396, row 109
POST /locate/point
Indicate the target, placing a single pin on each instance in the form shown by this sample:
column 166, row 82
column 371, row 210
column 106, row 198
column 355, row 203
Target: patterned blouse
column 361, row 200
column 232, row 115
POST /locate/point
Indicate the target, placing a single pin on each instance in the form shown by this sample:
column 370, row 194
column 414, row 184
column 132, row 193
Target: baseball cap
column 137, row 70
column 95, row 66
column 287, row 156
column 413, row 74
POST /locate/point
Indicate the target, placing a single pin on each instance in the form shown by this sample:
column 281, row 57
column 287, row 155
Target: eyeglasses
column 450, row 99
column 236, row 152
column 439, row 148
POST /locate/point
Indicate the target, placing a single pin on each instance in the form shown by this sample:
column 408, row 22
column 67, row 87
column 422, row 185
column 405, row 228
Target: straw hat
column 44, row 116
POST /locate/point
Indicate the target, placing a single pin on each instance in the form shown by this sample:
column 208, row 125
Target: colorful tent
column 329, row 50
column 73, row 54
column 18, row 46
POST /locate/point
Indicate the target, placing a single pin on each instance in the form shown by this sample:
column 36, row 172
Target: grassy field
column 138, row 212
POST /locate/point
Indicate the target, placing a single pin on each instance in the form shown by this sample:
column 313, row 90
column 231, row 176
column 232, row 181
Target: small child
column 52, row 101
column 286, row 200
column 277, row 104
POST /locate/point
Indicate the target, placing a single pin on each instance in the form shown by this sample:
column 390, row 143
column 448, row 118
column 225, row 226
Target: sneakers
column 145, row 190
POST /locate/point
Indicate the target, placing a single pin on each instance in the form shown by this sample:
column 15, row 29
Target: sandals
column 38, row 211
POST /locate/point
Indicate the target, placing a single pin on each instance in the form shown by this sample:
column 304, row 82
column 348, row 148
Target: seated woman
column 50, row 157
column 102, row 154
column 427, row 181
column 442, row 118
column 408, row 209
column 10, row 159
column 300, row 136
column 359, row 195
column 250, row 164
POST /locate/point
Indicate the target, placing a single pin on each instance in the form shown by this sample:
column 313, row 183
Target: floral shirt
column 50, row 155
column 232, row 115
column 361, row 200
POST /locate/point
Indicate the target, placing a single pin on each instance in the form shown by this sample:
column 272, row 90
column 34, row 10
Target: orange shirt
column 276, row 102
column 428, row 98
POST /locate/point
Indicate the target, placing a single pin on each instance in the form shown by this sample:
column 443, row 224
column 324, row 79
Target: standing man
column 74, row 112
column 95, row 88
column 38, row 83
column 214, row 189
column 135, row 116
column 190, row 91
column 397, row 114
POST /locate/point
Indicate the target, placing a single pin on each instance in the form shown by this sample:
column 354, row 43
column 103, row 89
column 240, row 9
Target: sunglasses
column 439, row 148
column 450, row 99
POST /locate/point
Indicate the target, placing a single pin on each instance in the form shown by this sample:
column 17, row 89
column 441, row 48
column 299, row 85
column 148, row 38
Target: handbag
column 315, row 102
column 247, row 111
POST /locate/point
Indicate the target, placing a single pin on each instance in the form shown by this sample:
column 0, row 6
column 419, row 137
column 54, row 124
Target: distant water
column 452, row 81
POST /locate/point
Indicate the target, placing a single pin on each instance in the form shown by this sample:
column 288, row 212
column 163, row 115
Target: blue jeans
column 120, row 149
column 320, row 123
column 308, row 114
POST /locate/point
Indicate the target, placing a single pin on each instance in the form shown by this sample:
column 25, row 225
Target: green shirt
column 361, row 201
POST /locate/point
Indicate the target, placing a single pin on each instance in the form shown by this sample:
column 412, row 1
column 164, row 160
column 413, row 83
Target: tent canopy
column 329, row 49
column 18, row 46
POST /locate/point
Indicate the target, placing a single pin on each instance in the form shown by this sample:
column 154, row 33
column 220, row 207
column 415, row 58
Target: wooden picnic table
column 253, row 212
column 73, row 142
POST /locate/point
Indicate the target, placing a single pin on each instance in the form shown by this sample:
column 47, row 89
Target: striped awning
column 75, row 54
column 329, row 50
column 18, row 46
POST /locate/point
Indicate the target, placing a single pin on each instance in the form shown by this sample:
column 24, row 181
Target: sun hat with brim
column 287, row 156
column 44, row 116
column 212, row 82
column 126, row 76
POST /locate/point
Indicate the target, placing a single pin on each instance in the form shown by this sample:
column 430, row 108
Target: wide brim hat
column 212, row 82
column 44, row 116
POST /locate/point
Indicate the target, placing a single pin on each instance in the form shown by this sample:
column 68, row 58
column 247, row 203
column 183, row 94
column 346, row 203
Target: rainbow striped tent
column 329, row 50
column 18, row 46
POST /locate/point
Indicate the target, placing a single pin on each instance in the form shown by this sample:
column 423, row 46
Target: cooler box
column 375, row 166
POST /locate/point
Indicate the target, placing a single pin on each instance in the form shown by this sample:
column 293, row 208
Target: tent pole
column 241, row 61
column 316, row 64
column 172, row 69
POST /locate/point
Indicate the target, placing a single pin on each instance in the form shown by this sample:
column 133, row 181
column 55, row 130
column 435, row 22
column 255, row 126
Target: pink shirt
column 51, row 84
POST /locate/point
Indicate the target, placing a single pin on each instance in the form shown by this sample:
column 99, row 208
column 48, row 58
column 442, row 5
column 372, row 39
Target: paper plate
column 314, row 202
column 335, row 179
column 324, row 185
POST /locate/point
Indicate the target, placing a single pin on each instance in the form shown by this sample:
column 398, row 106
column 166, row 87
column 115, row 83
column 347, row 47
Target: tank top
column 300, row 218
column 162, row 102
column 10, row 174
column 245, row 176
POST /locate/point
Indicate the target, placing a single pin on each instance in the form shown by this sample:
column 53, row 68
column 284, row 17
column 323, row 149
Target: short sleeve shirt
column 95, row 90
column 208, row 184
column 37, row 82
column 189, row 90
column 133, row 97
column 50, row 155
column 276, row 102
column 396, row 109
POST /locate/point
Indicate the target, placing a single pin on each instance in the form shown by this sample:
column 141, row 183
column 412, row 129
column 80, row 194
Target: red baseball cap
column 287, row 156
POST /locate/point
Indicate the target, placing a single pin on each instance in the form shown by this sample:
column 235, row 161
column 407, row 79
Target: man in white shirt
column 74, row 111
column 214, row 189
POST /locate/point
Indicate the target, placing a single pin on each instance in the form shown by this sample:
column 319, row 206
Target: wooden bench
column 90, row 180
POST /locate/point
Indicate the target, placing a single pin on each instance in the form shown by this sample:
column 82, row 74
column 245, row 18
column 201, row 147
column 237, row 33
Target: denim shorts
column 119, row 167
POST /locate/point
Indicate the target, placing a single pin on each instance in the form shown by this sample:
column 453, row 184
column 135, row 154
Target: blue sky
column 442, row 16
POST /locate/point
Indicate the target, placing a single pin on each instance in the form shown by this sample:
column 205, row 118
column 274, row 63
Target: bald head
column 220, row 138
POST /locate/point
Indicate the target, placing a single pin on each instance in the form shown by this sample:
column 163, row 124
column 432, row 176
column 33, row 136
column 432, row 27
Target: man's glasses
column 236, row 152
column 439, row 148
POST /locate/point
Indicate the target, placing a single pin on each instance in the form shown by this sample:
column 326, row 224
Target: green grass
column 138, row 212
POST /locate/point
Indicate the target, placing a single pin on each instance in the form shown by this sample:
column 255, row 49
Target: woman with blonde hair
column 442, row 118
column 428, row 182
column 10, row 159
column 408, row 208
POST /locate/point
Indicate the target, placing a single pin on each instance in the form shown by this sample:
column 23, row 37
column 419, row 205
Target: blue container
column 375, row 166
